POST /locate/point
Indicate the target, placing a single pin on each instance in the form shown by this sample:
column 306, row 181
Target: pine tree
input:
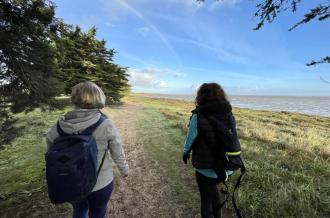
column 27, row 63
column 81, row 57
column 42, row 57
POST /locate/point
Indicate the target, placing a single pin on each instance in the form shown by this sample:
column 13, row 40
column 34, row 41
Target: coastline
column 304, row 105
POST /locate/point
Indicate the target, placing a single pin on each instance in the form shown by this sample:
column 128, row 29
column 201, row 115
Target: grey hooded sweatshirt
column 106, row 133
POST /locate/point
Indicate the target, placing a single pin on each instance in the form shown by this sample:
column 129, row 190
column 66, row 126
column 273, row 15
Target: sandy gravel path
column 146, row 192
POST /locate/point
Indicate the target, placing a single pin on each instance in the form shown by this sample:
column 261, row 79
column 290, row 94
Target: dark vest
column 206, row 142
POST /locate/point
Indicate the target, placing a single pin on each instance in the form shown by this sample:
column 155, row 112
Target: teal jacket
column 191, row 136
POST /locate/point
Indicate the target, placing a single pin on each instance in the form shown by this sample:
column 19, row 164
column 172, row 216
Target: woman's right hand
column 185, row 157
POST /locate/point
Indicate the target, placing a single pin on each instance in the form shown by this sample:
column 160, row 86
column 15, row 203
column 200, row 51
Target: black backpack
column 71, row 165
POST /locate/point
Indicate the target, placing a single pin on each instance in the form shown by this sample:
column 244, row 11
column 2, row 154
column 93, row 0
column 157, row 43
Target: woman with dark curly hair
column 204, row 139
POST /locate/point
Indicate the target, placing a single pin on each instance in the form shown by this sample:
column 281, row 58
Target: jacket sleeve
column 191, row 134
column 116, row 149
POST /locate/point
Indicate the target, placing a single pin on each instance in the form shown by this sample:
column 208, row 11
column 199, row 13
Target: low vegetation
column 23, row 190
column 286, row 154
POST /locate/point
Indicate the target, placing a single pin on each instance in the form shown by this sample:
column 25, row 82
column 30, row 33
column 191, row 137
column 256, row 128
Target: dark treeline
column 42, row 57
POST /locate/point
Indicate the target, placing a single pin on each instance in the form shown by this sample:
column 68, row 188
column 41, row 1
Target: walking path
column 146, row 192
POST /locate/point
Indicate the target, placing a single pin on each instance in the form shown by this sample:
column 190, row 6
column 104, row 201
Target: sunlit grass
column 22, row 187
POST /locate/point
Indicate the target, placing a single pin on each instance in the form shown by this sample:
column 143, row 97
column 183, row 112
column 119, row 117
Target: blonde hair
column 87, row 95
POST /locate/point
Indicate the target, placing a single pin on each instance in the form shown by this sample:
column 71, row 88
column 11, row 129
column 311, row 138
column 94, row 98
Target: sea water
column 313, row 105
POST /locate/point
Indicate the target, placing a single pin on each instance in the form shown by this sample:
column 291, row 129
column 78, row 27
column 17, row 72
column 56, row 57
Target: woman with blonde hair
column 88, row 99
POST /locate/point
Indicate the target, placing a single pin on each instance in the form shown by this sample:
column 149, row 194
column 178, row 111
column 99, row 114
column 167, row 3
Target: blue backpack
column 71, row 165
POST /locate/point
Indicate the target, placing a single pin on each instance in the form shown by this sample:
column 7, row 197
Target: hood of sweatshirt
column 77, row 120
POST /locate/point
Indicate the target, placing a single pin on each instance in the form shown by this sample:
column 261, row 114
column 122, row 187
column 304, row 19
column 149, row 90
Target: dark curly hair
column 208, row 92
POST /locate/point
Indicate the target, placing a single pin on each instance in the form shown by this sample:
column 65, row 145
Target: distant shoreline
column 306, row 105
column 271, row 96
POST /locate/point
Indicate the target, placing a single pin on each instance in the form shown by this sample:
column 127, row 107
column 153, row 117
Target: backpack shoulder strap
column 102, row 161
column 89, row 130
column 103, row 114
column 60, row 130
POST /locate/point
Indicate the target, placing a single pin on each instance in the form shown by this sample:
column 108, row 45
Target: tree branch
column 322, row 12
column 322, row 61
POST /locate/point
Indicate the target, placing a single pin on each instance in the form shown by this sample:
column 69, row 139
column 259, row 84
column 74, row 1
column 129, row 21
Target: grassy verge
column 162, row 142
column 287, row 157
column 23, row 190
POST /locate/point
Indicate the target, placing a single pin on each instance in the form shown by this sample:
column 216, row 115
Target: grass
column 23, row 191
column 286, row 154
column 161, row 141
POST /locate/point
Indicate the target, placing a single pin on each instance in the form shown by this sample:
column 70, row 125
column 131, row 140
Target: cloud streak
column 159, row 34
column 223, row 3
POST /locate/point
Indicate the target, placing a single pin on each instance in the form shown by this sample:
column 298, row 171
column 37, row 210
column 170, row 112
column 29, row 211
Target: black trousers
column 210, row 196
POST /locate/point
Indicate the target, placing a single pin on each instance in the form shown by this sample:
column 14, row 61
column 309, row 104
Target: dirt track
column 146, row 192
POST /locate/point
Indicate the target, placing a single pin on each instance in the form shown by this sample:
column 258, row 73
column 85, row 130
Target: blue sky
column 172, row 46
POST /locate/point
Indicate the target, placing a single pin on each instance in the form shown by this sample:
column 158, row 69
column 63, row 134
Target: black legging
column 210, row 197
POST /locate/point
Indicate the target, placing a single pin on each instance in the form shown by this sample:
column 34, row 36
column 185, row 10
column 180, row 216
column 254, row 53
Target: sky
column 173, row 46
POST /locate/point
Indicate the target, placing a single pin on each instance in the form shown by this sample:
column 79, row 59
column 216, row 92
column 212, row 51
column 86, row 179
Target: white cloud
column 225, row 52
column 151, row 77
column 118, row 10
column 135, row 58
column 145, row 78
column 223, row 3
column 144, row 31
column 179, row 75
column 185, row 4
column 174, row 73
column 161, row 84
column 227, row 55
column 108, row 24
